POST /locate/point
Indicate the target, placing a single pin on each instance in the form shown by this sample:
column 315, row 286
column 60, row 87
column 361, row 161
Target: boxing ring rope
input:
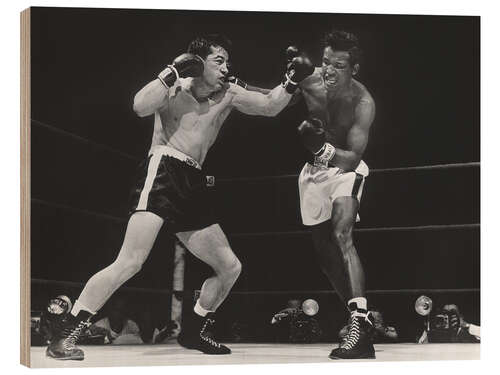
column 227, row 180
column 83, row 140
column 113, row 218
column 262, row 179
column 250, row 179
column 375, row 170
column 269, row 233
column 77, row 284
column 259, row 179
column 361, row 230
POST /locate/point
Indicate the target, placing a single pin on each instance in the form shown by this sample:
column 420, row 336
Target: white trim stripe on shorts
column 154, row 162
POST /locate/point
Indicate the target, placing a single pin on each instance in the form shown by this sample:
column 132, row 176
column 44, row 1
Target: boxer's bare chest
column 336, row 112
column 189, row 125
column 185, row 112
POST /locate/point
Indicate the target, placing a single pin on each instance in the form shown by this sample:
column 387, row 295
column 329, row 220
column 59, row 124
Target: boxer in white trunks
column 331, row 183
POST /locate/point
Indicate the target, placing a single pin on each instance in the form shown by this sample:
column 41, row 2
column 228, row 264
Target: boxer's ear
column 355, row 69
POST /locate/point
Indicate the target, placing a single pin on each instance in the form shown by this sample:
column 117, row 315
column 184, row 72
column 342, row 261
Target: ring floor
column 173, row 354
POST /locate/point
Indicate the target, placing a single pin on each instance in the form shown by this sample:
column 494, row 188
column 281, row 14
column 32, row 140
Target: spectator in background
column 117, row 328
column 447, row 324
column 293, row 325
column 466, row 332
column 293, row 307
column 240, row 331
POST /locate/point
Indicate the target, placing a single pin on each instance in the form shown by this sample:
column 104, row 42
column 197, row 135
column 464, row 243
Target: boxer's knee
column 129, row 264
column 342, row 237
column 231, row 271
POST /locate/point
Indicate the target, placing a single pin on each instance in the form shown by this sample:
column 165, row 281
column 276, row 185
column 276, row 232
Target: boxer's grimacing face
column 216, row 67
column 336, row 68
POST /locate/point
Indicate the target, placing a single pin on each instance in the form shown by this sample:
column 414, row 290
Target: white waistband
column 170, row 151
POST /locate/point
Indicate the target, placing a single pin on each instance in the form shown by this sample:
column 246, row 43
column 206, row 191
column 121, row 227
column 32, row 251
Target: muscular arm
column 256, row 103
column 150, row 98
column 258, row 89
column 295, row 97
column 357, row 138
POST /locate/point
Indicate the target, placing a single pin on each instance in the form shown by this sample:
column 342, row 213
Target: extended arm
column 257, row 103
column 246, row 86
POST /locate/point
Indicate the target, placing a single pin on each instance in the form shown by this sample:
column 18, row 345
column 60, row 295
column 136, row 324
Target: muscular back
column 336, row 112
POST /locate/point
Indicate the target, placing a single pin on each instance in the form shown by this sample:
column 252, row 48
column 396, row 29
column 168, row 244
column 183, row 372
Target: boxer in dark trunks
column 190, row 99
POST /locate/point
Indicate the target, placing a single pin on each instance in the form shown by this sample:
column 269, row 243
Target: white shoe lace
column 354, row 330
column 70, row 341
column 207, row 338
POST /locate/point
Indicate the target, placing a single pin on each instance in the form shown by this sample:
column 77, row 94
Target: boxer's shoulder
column 362, row 94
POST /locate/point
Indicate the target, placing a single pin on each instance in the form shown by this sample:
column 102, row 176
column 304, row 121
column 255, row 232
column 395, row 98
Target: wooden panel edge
column 25, row 198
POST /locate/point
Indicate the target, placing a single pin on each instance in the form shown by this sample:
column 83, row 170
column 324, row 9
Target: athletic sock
column 359, row 302
column 198, row 309
column 79, row 306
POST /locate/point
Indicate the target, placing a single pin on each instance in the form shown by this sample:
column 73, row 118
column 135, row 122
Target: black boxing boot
column 199, row 335
column 63, row 344
column 358, row 343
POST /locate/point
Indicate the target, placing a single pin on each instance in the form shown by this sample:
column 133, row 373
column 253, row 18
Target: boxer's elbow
column 140, row 108
column 352, row 165
column 348, row 161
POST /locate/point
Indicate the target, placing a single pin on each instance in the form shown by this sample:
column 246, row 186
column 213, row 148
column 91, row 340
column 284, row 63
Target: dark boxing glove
column 298, row 67
column 314, row 139
column 185, row 65
column 291, row 53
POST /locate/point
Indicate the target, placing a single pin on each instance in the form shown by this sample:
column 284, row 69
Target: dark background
column 423, row 72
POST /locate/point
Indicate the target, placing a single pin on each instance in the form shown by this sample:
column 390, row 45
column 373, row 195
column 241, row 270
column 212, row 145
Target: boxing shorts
column 319, row 187
column 171, row 185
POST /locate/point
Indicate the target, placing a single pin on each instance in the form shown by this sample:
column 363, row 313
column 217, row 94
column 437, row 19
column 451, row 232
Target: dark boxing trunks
column 176, row 190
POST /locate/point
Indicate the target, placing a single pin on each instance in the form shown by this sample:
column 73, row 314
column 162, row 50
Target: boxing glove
column 298, row 67
column 185, row 65
column 314, row 139
column 291, row 53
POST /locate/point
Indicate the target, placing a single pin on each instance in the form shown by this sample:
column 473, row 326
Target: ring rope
column 268, row 233
column 79, row 210
column 374, row 229
column 375, row 170
column 84, row 140
column 258, row 178
column 77, row 284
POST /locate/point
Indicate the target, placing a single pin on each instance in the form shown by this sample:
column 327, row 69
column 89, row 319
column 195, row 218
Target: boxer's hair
column 201, row 45
column 344, row 41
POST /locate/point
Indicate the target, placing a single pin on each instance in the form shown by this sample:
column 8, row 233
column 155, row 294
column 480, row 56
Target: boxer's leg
column 140, row 236
column 142, row 230
column 336, row 252
column 345, row 269
column 211, row 246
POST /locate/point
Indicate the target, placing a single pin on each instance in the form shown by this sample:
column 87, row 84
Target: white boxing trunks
column 319, row 187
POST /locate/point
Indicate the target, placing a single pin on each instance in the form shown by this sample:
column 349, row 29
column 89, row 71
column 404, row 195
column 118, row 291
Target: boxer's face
column 216, row 68
column 336, row 68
